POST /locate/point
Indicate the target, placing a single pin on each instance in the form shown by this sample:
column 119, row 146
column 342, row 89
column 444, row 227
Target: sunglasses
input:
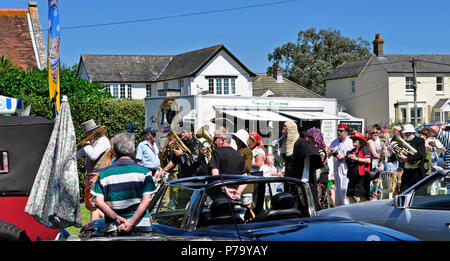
column 341, row 130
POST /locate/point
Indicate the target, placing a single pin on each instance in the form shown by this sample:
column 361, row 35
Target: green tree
column 316, row 54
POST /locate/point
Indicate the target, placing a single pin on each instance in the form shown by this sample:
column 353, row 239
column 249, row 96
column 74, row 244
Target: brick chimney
column 378, row 45
column 38, row 38
column 32, row 6
column 278, row 74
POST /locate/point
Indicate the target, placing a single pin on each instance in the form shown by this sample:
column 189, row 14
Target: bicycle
column 324, row 195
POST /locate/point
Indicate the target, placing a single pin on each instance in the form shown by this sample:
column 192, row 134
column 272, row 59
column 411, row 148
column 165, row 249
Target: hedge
column 87, row 101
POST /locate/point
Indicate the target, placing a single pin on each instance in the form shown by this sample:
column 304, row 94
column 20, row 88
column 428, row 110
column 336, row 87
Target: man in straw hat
column 96, row 150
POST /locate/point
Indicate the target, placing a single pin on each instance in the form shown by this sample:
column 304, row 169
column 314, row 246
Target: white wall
column 223, row 65
column 370, row 99
column 427, row 96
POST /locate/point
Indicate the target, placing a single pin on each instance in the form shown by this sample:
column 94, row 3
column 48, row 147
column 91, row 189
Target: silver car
column 422, row 211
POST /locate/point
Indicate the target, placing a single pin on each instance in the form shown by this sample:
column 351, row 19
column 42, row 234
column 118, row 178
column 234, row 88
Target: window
column 437, row 116
column 409, row 84
column 225, row 86
column 439, row 84
column 219, row 86
column 353, row 86
column 148, row 90
column 122, row 91
column 222, row 86
column 108, row 88
column 116, row 91
column 211, row 86
column 4, row 164
column 129, row 92
column 162, row 92
column 172, row 208
column 233, row 86
column 403, row 114
column 181, row 84
column 419, row 115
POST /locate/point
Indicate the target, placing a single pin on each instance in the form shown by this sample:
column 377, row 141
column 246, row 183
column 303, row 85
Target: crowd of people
column 121, row 180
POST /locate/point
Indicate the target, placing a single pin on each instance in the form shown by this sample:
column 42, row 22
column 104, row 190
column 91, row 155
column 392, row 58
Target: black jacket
column 193, row 164
column 412, row 176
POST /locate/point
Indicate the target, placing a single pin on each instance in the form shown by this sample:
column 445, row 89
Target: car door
column 428, row 213
column 171, row 215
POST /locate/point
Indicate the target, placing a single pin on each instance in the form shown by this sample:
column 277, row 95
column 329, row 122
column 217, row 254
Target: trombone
column 178, row 143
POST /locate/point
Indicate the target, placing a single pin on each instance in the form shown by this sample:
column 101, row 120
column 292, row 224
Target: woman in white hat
column 96, row 150
column 241, row 137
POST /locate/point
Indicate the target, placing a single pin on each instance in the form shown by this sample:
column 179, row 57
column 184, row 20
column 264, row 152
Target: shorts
column 89, row 199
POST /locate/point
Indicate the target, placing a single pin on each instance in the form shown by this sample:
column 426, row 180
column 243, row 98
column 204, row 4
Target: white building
column 380, row 88
column 213, row 70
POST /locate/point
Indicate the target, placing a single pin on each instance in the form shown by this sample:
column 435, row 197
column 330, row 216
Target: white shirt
column 94, row 152
column 257, row 152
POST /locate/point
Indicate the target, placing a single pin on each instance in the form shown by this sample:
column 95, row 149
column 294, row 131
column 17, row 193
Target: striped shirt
column 444, row 138
column 122, row 185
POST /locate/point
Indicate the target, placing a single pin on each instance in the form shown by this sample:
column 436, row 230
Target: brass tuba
column 203, row 133
column 178, row 143
column 400, row 147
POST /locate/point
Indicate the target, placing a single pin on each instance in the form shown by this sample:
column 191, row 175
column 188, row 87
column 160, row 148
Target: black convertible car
column 184, row 208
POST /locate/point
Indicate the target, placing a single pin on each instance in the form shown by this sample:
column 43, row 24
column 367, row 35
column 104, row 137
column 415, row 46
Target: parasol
column 54, row 199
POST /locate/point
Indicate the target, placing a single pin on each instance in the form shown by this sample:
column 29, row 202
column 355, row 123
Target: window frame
column 115, row 90
column 409, row 84
column 122, row 91
column 419, row 111
column 441, row 84
column 148, row 90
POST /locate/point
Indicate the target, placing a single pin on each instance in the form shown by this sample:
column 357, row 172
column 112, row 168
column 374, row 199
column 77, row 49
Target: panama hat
column 89, row 125
column 242, row 135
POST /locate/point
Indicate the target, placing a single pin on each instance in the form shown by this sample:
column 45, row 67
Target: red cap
column 357, row 135
column 343, row 126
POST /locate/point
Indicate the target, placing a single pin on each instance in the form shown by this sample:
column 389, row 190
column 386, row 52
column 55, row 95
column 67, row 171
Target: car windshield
column 435, row 194
column 203, row 201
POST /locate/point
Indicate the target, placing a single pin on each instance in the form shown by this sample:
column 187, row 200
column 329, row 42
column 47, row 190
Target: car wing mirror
column 402, row 201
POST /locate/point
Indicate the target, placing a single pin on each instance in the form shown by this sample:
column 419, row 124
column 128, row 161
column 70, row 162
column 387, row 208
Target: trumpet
column 178, row 143
column 203, row 133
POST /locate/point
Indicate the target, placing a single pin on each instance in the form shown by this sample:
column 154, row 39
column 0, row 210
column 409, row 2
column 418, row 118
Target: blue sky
column 407, row 26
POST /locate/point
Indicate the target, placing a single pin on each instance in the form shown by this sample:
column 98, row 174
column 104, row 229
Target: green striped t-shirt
column 122, row 185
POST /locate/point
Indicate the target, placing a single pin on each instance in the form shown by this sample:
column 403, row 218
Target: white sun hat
column 408, row 128
column 242, row 135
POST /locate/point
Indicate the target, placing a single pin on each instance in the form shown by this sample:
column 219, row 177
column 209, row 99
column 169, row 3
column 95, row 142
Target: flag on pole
column 53, row 55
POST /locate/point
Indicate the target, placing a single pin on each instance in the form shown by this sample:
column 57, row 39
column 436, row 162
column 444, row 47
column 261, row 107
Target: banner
column 53, row 54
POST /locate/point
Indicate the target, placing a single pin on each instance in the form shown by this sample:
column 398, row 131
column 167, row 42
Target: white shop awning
column 256, row 115
column 312, row 115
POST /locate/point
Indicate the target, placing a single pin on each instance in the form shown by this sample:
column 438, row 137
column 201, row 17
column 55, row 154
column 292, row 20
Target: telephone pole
column 415, row 91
